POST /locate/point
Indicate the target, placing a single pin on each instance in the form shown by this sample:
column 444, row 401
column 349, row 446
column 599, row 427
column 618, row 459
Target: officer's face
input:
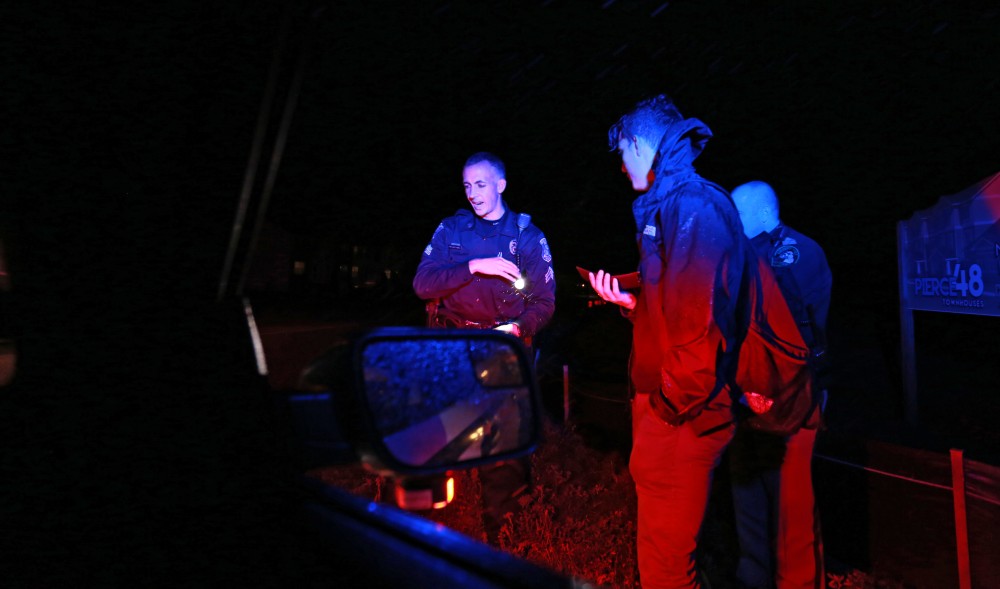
column 637, row 160
column 483, row 189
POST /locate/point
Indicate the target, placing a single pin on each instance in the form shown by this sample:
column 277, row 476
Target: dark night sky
column 133, row 125
column 129, row 129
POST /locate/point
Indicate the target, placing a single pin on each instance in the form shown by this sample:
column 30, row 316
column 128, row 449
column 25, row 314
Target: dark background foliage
column 129, row 129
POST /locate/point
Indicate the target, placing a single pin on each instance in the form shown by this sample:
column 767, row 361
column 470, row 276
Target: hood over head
column 681, row 144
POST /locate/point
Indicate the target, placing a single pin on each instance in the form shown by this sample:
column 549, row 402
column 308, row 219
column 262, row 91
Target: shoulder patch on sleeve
column 785, row 255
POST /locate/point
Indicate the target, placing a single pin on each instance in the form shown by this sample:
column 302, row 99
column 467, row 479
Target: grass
column 580, row 517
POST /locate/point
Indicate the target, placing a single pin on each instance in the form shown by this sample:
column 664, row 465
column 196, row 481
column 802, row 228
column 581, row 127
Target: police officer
column 489, row 268
column 772, row 476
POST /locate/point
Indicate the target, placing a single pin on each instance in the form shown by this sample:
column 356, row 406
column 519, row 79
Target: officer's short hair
column 491, row 159
column 650, row 119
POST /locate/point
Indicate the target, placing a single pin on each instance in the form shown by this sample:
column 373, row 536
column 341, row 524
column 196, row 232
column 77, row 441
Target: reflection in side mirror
column 441, row 399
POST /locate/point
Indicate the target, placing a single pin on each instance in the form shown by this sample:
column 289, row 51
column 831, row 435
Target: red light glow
column 449, row 494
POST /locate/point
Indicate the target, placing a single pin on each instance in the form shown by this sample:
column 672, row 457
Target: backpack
column 772, row 391
column 771, row 386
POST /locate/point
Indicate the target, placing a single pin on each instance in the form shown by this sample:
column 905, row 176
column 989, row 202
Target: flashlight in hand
column 512, row 328
column 519, row 283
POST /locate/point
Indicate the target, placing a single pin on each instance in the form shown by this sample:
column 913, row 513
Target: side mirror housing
column 416, row 404
column 434, row 400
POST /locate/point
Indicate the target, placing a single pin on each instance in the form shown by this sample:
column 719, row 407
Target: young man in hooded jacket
column 686, row 335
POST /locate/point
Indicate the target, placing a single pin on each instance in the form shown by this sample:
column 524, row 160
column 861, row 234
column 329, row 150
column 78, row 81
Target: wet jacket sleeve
column 698, row 242
column 437, row 275
column 817, row 291
column 540, row 302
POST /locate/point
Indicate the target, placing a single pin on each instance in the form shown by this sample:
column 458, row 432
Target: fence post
column 565, row 393
column 961, row 522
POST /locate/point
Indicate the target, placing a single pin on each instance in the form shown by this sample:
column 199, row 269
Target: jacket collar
column 674, row 163
column 506, row 225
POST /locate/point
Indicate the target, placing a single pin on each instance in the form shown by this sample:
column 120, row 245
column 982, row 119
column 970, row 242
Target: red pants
column 672, row 468
column 776, row 522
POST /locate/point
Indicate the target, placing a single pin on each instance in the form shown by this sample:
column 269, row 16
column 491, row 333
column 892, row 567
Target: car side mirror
column 414, row 405
column 434, row 400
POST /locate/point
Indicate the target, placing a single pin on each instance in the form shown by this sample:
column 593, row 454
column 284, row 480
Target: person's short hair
column 491, row 159
column 650, row 119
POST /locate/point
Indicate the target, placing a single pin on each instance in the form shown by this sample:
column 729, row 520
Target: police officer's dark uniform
column 458, row 298
column 771, row 474
column 467, row 300
column 804, row 276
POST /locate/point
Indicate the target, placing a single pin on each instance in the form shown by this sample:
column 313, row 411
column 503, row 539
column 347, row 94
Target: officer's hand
column 495, row 267
column 606, row 287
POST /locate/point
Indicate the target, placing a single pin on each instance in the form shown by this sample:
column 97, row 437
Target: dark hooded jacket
column 687, row 320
